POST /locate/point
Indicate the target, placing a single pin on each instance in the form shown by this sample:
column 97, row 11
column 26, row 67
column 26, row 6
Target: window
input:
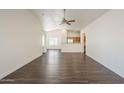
column 43, row 40
column 53, row 41
column 70, row 40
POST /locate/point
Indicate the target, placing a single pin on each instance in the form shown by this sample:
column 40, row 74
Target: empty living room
column 61, row 46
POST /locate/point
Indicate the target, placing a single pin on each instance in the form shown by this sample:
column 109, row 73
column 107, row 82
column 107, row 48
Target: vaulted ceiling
column 51, row 18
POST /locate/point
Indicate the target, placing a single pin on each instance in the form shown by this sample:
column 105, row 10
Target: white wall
column 105, row 40
column 72, row 48
column 20, row 39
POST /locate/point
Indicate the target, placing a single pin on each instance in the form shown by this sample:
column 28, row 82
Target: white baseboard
column 72, row 51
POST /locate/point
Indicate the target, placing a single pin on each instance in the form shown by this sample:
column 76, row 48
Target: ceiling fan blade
column 68, row 23
column 71, row 21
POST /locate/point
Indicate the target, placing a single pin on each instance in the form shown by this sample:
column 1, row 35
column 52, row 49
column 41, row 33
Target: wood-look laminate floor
column 63, row 68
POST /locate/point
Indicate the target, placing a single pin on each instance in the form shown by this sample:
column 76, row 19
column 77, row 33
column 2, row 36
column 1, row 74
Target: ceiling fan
column 65, row 21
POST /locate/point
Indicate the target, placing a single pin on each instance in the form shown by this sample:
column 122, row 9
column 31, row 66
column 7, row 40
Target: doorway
column 54, row 39
column 84, row 43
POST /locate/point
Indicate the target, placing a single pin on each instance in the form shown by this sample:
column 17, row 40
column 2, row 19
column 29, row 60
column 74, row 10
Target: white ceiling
column 51, row 18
